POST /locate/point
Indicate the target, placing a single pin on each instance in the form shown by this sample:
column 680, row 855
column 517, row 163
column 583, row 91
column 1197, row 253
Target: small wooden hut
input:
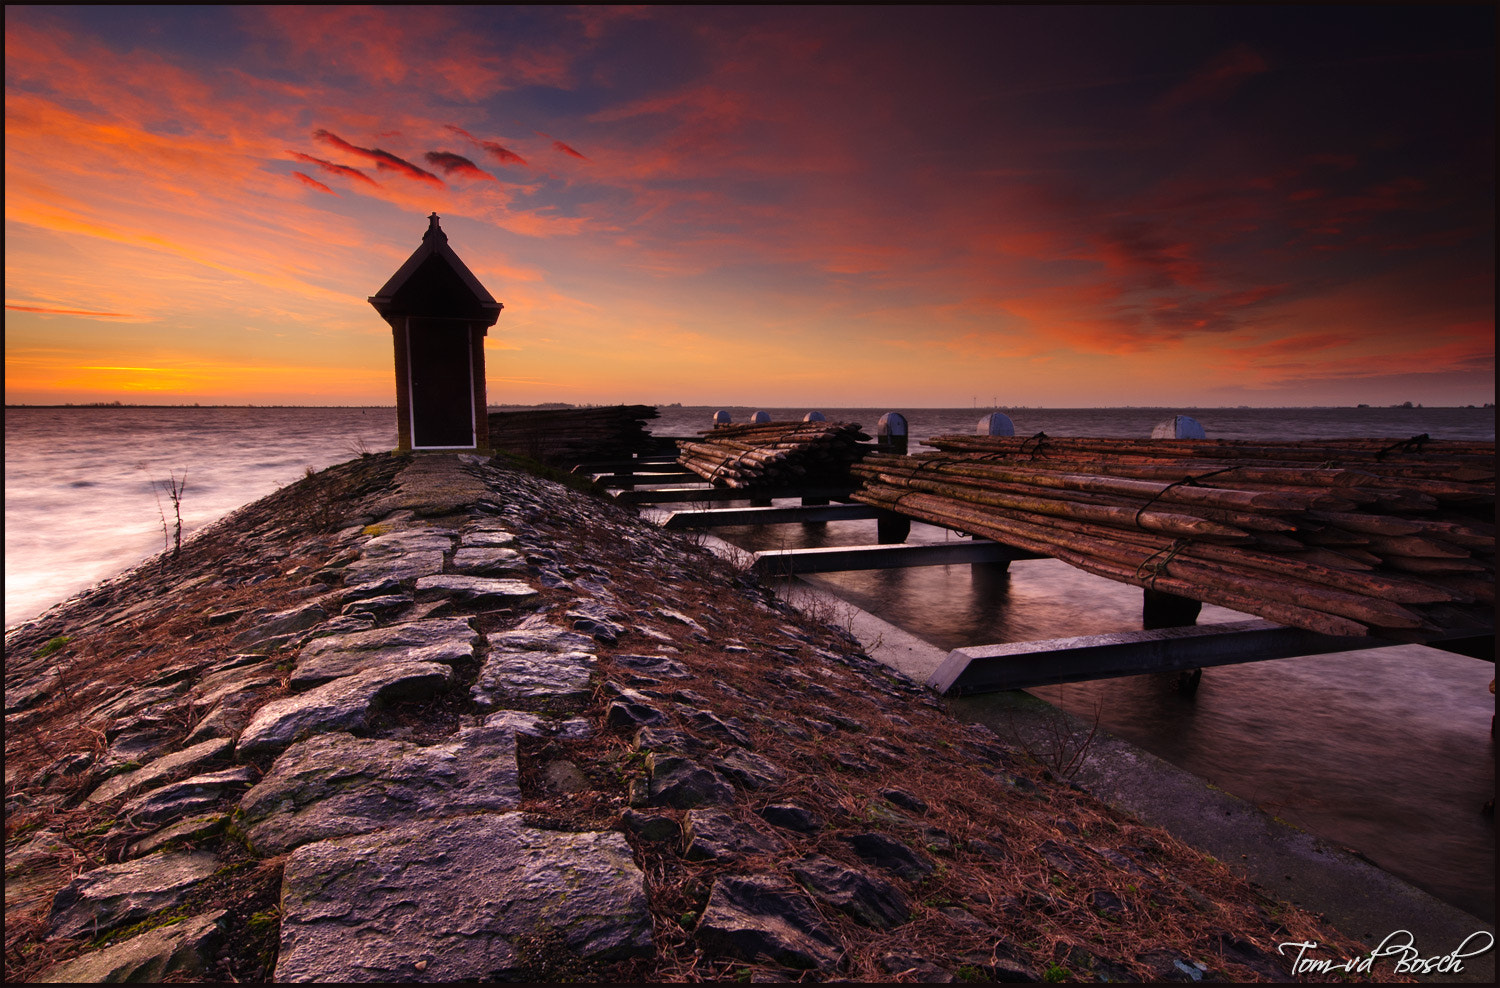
column 439, row 315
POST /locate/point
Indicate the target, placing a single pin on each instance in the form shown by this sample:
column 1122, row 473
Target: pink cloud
column 382, row 159
column 597, row 20
column 500, row 153
column 307, row 180
column 456, row 164
column 333, row 168
column 420, row 49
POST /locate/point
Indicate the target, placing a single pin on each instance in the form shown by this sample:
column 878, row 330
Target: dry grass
column 1078, row 889
column 1030, row 858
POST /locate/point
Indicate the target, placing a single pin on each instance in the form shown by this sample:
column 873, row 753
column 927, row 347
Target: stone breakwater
column 438, row 719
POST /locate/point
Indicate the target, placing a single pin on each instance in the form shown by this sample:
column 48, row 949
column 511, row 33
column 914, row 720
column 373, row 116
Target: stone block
column 448, row 900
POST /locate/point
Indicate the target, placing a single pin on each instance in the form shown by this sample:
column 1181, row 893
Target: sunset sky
column 835, row 206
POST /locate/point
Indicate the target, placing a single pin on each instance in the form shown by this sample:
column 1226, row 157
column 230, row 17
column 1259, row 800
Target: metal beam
column 768, row 516
column 647, row 460
column 673, row 495
column 645, row 477
column 1474, row 646
column 992, row 668
column 790, row 562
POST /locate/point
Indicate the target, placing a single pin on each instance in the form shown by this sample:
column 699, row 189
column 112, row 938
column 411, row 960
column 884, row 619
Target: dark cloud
column 560, row 146
column 333, row 168
column 1180, row 314
column 1221, row 76
column 1147, row 257
column 383, row 159
column 501, row 154
column 452, row 164
column 1380, row 213
column 1341, row 162
column 314, row 183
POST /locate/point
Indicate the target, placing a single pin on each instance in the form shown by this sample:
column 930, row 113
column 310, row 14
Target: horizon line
column 1408, row 406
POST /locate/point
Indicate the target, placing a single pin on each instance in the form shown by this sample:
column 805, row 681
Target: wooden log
column 1252, row 565
column 773, row 454
column 1394, row 535
column 1462, row 462
column 1267, row 522
column 936, row 511
column 1240, row 558
column 1118, row 517
column 1169, row 492
column 1427, row 565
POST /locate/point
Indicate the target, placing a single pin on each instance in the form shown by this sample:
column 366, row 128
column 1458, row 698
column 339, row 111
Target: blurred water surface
column 83, row 500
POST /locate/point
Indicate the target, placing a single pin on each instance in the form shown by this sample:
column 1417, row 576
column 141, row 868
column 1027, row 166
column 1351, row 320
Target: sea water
column 1388, row 751
column 86, row 488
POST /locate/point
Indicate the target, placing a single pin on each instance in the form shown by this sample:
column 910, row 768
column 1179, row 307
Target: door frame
column 411, row 411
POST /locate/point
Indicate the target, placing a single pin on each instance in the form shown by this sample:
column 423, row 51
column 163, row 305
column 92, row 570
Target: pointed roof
column 435, row 277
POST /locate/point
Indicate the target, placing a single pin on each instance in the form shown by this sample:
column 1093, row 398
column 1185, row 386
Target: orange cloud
column 63, row 221
column 51, row 310
column 53, row 374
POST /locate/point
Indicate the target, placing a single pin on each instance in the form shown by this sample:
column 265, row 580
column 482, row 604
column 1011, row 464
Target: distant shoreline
column 553, row 404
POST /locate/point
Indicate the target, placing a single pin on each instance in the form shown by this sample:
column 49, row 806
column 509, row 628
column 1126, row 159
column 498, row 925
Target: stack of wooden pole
column 1358, row 537
column 567, row 436
column 774, row 453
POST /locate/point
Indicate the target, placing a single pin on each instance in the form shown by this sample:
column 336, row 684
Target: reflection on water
column 1387, row 751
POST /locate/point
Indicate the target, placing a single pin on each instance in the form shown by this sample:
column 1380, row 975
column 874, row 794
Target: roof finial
column 433, row 230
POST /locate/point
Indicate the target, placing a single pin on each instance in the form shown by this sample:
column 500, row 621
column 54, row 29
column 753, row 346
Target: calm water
column 1387, row 751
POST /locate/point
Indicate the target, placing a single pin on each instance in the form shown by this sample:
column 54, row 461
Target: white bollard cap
column 760, row 418
column 722, row 417
column 1179, row 427
column 815, row 417
column 996, row 424
column 891, row 434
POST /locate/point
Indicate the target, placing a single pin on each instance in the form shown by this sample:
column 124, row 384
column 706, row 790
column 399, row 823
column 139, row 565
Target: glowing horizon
column 1058, row 207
